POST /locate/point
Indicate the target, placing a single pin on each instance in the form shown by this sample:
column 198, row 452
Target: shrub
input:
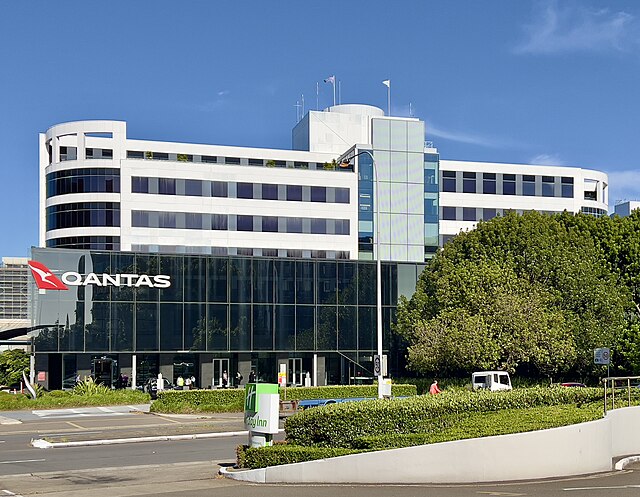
column 187, row 401
column 338, row 425
column 88, row 387
column 232, row 399
column 261, row 457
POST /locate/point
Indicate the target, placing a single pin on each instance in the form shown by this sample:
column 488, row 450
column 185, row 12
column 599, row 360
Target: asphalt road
column 190, row 468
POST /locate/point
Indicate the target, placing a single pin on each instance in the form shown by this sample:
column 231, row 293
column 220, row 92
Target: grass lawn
column 61, row 399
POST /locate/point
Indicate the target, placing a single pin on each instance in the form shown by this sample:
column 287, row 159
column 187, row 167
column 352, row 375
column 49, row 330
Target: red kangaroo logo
column 45, row 280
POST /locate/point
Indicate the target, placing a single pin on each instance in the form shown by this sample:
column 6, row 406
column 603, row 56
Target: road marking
column 68, row 433
column 75, row 425
column 504, row 494
column 602, row 488
column 23, row 460
column 8, row 492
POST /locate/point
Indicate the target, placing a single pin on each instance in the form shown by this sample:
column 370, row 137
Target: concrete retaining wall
column 570, row 450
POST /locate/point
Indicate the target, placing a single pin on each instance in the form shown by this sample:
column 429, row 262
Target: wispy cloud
column 221, row 99
column 470, row 138
column 624, row 185
column 575, row 28
column 547, row 160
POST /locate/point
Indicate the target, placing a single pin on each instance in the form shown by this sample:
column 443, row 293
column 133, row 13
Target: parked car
column 151, row 387
column 491, row 380
column 572, row 384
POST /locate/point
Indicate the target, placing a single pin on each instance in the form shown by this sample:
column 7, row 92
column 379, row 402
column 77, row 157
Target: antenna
column 339, row 92
column 297, row 106
column 317, row 95
column 410, row 111
column 303, row 105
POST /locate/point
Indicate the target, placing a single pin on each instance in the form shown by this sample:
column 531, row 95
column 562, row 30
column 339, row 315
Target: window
column 209, row 159
column 529, row 185
column 167, row 219
column 140, row 219
column 342, row 227
column 270, row 224
column 469, row 182
column 318, row 194
column 135, row 154
column 232, row 160
column 294, row 192
column 449, row 181
column 342, row 195
column 219, row 189
column 166, row 186
column 301, row 165
column 68, row 153
column 160, row 156
column 489, row 183
column 294, row 225
column 220, row 222
column 567, row 187
column 245, row 190
column 548, row 186
column 269, row 192
column 591, row 195
column 488, row 214
column 449, row 213
column 318, row 226
column 256, row 162
column 469, row 214
column 508, row 184
column 193, row 221
column 139, row 185
column 244, row 223
column 430, row 180
column 193, row 187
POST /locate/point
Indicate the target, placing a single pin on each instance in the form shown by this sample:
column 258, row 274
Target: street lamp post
column 344, row 163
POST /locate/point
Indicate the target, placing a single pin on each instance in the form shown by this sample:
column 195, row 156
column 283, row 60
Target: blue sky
column 552, row 82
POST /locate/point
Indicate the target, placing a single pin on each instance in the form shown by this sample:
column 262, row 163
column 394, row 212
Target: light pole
column 344, row 163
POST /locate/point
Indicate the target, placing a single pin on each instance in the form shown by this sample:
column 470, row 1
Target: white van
column 491, row 380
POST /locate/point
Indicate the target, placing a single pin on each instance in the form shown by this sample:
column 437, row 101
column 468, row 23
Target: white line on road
column 602, row 488
column 8, row 492
column 24, row 460
column 67, row 433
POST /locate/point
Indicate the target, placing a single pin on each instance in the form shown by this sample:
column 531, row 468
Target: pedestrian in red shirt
column 434, row 389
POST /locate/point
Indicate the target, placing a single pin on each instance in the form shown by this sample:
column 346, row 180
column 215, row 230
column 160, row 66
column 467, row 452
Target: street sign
column 602, row 356
column 377, row 365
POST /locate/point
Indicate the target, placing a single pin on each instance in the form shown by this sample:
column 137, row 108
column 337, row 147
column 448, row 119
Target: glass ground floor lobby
column 207, row 315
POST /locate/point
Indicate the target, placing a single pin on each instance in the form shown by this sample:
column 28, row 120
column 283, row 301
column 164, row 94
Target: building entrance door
column 220, row 366
column 295, row 371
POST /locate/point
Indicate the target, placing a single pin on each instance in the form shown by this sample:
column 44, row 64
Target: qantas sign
column 45, row 279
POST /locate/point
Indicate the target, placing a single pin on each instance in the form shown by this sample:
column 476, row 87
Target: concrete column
column 166, row 366
column 206, row 371
column 134, row 371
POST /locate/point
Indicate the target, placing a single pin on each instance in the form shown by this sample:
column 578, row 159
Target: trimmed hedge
column 486, row 424
column 194, row 401
column 232, row 400
column 339, row 425
column 253, row 457
column 63, row 399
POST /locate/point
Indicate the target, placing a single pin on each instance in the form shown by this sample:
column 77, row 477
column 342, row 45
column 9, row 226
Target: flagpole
column 317, row 95
column 387, row 83
column 333, row 82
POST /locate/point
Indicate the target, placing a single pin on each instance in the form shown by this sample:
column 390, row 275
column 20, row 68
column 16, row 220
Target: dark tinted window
column 269, row 192
column 449, row 213
column 245, row 190
column 294, row 192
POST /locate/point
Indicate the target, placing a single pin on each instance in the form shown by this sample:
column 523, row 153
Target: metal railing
column 613, row 382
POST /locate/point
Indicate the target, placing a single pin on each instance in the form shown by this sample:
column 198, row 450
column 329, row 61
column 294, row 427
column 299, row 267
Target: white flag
column 387, row 83
column 331, row 79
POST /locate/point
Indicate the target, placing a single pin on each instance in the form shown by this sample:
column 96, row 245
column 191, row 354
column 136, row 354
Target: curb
column 623, row 463
column 250, row 475
column 43, row 444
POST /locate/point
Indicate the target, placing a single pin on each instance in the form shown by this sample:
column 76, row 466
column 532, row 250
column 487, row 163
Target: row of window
column 231, row 189
column 236, row 161
column 86, row 242
column 83, row 214
column 243, row 251
column 507, row 184
column 127, row 326
column 71, row 153
column 476, row 213
column 238, row 222
column 87, row 180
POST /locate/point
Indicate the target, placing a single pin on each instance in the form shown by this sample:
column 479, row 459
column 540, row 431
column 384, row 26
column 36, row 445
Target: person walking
column 225, row 379
column 434, row 389
column 180, row 382
column 239, row 378
column 252, row 376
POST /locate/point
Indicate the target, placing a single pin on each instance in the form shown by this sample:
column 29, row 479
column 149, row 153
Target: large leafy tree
column 12, row 364
column 523, row 291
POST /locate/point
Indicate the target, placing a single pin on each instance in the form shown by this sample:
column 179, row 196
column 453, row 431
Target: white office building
column 474, row 191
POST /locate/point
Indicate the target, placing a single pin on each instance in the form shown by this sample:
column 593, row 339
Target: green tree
column 12, row 364
column 529, row 292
